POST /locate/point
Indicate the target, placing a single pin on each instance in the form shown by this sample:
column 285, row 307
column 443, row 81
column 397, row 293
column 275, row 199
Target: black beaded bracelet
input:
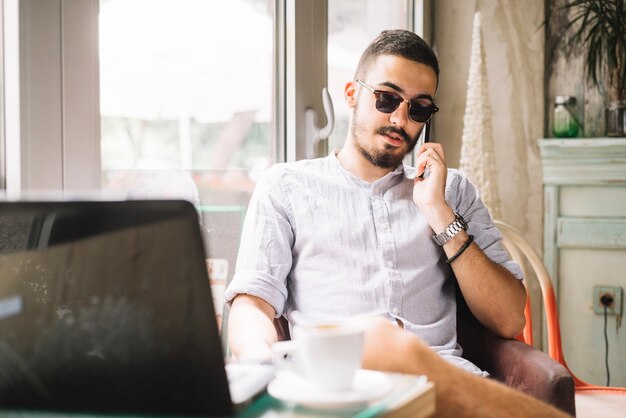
column 463, row 248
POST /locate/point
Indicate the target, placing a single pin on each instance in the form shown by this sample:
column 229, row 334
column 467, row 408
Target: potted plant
column 599, row 26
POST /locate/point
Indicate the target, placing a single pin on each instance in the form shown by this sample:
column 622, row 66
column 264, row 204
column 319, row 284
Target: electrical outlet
column 615, row 292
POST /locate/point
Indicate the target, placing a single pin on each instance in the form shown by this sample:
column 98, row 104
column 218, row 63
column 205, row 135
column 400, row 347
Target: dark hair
column 402, row 43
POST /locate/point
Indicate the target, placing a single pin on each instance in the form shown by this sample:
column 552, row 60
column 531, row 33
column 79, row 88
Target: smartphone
column 426, row 140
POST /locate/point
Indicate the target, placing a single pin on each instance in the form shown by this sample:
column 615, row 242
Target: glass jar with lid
column 564, row 124
column 616, row 118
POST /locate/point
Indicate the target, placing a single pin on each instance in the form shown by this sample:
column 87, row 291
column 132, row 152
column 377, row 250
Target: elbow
column 516, row 321
column 515, row 327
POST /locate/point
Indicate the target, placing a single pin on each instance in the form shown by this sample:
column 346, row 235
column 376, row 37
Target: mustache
column 393, row 129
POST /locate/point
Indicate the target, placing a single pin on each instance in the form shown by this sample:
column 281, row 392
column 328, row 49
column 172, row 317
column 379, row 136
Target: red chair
column 520, row 249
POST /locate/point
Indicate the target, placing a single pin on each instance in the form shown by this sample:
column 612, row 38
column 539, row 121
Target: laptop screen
column 106, row 307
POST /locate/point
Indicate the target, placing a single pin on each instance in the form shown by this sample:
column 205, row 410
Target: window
column 187, row 97
column 197, row 97
column 57, row 82
column 186, row 103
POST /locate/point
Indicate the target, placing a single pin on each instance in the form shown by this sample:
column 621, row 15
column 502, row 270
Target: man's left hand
column 430, row 191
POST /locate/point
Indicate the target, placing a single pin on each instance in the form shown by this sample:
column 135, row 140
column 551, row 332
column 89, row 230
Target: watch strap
column 454, row 228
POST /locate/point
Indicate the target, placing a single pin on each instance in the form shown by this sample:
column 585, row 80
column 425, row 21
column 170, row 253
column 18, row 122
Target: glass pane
column 187, row 106
column 352, row 24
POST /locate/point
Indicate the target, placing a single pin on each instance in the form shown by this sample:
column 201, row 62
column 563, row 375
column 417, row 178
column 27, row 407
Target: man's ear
column 349, row 94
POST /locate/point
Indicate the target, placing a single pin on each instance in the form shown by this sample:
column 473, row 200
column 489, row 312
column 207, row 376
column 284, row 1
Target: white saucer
column 290, row 387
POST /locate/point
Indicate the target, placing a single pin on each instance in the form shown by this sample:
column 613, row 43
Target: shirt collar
column 388, row 179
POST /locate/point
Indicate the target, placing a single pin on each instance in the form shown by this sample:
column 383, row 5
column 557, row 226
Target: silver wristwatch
column 457, row 225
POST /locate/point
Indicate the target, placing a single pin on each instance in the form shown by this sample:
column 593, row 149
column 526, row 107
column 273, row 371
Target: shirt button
column 395, row 311
column 390, row 264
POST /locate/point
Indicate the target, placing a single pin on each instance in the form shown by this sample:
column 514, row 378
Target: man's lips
column 393, row 136
column 393, row 139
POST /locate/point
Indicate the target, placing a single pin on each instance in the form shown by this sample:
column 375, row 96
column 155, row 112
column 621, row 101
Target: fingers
column 435, row 146
column 428, row 155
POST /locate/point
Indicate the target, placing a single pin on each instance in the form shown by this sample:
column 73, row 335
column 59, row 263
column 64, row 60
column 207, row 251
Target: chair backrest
column 522, row 251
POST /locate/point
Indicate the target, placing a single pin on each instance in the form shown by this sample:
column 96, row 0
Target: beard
column 384, row 158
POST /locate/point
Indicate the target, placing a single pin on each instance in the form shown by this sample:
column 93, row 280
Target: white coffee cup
column 328, row 355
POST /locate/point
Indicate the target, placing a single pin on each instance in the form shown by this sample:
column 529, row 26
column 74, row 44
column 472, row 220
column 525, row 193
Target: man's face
column 385, row 138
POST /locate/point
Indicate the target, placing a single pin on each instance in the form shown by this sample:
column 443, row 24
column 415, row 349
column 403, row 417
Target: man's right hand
column 251, row 330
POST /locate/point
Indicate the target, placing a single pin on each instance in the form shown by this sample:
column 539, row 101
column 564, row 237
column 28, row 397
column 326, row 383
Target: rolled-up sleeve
column 463, row 195
column 265, row 256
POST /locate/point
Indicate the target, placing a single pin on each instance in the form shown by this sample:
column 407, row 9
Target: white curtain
column 478, row 158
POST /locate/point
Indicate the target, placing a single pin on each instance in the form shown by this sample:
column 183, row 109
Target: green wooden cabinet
column 584, row 182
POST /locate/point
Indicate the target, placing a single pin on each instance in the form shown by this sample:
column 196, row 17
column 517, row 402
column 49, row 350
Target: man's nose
column 400, row 116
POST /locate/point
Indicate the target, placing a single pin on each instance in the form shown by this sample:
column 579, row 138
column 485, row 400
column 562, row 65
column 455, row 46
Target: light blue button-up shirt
column 319, row 240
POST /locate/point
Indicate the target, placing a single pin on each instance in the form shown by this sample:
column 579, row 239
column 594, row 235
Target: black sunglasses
column 387, row 102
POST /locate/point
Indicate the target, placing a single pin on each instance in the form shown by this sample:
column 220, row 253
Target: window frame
column 52, row 118
column 2, row 104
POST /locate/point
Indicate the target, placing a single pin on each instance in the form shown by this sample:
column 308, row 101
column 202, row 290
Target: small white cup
column 327, row 355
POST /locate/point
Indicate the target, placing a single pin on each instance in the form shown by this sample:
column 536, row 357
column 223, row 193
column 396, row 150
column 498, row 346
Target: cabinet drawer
column 599, row 233
column 589, row 201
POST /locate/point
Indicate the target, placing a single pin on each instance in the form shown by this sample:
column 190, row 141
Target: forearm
column 251, row 330
column 459, row 394
column 493, row 294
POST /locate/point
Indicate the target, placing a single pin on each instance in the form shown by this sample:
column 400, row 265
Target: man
column 359, row 233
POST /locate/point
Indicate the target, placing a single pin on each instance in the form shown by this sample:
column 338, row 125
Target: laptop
column 105, row 306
